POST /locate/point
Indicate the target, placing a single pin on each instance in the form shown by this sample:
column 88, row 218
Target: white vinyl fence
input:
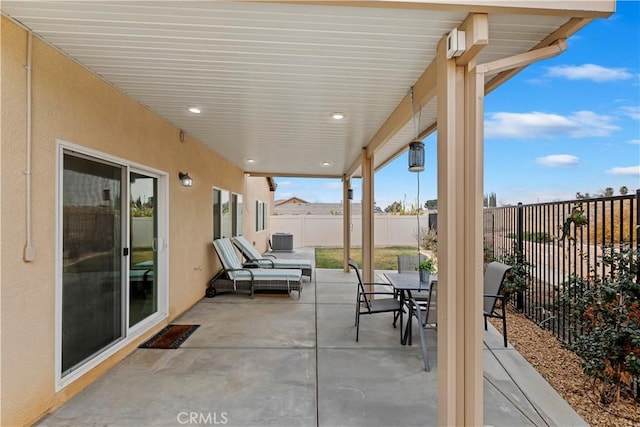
column 141, row 231
column 326, row 230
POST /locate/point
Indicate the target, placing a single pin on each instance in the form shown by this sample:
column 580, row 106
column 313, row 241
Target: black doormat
column 170, row 337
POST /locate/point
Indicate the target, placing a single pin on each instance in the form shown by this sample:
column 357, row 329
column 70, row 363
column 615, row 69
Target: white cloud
column 555, row 160
column 630, row 170
column 286, row 184
column 633, row 112
column 333, row 185
column 546, row 125
column 634, row 141
column 595, row 73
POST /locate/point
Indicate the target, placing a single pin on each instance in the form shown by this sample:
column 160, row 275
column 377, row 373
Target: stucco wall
column 74, row 105
column 257, row 188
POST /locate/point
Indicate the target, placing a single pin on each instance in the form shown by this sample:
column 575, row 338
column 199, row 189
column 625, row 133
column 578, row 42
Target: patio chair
column 409, row 264
column 425, row 314
column 269, row 261
column 365, row 304
column 493, row 279
column 236, row 277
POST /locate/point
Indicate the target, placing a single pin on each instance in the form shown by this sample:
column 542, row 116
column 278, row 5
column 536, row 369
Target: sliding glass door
column 92, row 297
column 113, row 260
column 143, row 284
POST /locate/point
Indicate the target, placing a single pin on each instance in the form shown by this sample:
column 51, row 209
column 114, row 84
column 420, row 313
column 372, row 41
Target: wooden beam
column 472, row 286
column 579, row 8
column 423, row 90
column 367, row 217
column 450, row 405
column 425, row 133
column 428, row 131
column 355, row 165
column 346, row 222
column 523, row 59
column 476, row 28
column 291, row 175
column 460, row 262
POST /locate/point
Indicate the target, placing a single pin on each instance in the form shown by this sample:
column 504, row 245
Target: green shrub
column 428, row 264
column 606, row 312
column 517, row 279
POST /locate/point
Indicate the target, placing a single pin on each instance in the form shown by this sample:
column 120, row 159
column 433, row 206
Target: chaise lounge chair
column 253, row 256
column 238, row 278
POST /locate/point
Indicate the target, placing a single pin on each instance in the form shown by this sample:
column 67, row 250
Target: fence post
column 520, row 252
column 637, row 229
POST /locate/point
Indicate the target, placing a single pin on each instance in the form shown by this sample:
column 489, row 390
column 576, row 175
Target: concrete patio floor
column 275, row 361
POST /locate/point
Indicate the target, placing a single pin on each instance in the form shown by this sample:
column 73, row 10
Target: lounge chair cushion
column 231, row 262
column 267, row 274
column 251, row 254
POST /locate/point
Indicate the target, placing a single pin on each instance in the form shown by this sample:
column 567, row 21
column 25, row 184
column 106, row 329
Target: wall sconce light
column 416, row 156
column 350, row 193
column 187, row 181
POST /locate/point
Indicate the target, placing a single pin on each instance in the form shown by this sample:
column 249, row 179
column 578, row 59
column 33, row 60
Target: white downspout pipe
column 29, row 250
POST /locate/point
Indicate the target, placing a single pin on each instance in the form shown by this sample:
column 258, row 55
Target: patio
column 280, row 361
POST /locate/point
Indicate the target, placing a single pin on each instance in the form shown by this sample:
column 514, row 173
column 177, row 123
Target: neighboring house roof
column 291, row 200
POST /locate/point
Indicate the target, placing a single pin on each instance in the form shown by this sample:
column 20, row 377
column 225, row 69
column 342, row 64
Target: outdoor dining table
column 404, row 283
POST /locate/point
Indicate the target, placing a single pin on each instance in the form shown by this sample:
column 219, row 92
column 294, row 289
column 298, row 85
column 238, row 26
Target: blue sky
column 564, row 125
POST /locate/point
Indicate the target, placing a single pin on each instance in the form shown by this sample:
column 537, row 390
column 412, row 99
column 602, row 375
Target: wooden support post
column 346, row 222
column 367, row 216
column 460, row 192
column 472, row 285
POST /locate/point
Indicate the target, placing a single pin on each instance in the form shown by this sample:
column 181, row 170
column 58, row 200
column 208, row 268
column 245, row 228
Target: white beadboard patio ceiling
column 268, row 75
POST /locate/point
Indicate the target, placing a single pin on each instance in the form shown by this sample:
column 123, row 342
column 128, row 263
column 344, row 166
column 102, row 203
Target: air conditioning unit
column 282, row 242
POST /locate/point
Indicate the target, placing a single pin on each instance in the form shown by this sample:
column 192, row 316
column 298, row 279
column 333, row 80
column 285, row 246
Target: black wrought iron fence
column 561, row 241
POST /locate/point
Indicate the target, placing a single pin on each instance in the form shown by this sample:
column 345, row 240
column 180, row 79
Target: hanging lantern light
column 416, row 156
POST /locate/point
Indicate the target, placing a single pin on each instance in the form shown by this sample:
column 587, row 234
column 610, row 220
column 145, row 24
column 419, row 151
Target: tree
column 624, row 190
column 394, row 208
column 608, row 192
column 431, row 204
column 490, row 200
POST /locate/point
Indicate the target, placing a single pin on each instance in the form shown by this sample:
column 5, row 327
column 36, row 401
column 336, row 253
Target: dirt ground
column 562, row 369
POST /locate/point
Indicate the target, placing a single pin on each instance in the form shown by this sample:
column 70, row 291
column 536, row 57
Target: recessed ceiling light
column 250, row 161
column 338, row 115
column 326, row 163
column 195, row 110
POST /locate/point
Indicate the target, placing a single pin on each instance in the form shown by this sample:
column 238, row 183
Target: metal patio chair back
column 373, row 302
column 494, row 277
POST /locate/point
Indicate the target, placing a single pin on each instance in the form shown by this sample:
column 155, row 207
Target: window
column 217, row 214
column 236, row 218
column 227, row 214
column 261, row 215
